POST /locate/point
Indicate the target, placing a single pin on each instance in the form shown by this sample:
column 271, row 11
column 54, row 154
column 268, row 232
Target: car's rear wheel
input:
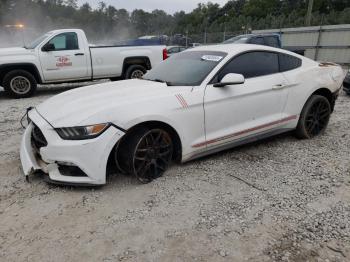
column 135, row 72
column 314, row 117
column 19, row 83
column 146, row 153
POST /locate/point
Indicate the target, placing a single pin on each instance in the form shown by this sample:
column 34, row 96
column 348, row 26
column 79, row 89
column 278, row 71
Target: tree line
column 107, row 20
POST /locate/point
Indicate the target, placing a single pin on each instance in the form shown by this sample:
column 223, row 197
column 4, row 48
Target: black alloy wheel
column 146, row 154
column 314, row 118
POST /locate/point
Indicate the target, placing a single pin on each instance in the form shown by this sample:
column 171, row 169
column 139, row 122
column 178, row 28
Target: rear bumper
column 89, row 157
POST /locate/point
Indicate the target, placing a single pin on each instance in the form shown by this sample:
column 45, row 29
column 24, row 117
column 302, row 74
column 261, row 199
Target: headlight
column 81, row 132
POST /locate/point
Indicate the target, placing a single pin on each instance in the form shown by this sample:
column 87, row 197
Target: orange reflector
column 98, row 128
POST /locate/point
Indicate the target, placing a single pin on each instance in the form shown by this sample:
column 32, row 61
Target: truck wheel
column 135, row 71
column 19, row 83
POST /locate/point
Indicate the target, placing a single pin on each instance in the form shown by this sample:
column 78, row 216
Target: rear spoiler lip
column 327, row 64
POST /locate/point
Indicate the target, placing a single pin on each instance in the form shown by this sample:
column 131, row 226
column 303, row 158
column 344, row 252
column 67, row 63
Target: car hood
column 77, row 107
column 14, row 51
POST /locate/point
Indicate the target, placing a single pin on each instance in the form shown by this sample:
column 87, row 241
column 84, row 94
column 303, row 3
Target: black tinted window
column 257, row 41
column 288, row 62
column 252, row 64
column 271, row 41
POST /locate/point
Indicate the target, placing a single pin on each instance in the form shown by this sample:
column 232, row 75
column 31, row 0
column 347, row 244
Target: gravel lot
column 281, row 199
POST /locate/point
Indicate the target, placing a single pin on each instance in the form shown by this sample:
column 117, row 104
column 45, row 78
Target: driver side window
column 252, row 64
column 65, row 41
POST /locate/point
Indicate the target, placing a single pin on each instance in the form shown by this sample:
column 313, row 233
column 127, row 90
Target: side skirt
column 235, row 143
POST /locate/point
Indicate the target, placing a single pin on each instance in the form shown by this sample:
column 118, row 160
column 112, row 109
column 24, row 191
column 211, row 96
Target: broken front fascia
column 90, row 156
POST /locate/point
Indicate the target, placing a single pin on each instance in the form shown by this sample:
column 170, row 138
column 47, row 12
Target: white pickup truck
column 63, row 56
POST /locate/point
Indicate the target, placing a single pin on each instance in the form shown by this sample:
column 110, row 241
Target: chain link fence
column 189, row 40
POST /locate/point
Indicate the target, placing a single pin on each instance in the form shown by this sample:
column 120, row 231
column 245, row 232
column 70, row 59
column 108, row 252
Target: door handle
column 78, row 54
column 278, row 87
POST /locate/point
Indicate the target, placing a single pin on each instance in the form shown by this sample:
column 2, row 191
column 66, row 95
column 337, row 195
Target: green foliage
column 235, row 15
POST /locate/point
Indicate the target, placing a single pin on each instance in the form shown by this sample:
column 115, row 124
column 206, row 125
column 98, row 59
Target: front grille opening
column 38, row 138
column 71, row 171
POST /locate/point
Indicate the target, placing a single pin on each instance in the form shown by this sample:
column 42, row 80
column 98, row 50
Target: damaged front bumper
column 78, row 162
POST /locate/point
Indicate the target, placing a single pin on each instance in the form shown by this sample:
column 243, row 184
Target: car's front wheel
column 19, row 83
column 314, row 117
column 145, row 153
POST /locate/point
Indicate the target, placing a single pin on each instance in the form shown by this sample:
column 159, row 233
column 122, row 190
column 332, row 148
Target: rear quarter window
column 288, row 62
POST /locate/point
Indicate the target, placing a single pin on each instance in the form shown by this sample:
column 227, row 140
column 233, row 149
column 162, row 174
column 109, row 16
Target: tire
column 145, row 153
column 314, row 117
column 19, row 84
column 135, row 71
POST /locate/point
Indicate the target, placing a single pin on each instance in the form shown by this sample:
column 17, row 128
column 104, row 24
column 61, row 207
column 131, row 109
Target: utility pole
column 224, row 32
column 309, row 13
column 205, row 32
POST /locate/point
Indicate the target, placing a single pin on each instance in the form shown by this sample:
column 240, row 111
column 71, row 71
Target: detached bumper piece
column 78, row 163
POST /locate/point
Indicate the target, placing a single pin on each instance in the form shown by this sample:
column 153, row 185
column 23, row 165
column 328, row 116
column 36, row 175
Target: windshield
column 37, row 41
column 237, row 39
column 186, row 69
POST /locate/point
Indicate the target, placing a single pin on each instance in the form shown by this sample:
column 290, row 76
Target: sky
column 170, row 6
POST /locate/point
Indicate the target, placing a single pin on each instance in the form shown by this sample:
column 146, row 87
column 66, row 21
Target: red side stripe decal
column 182, row 101
column 246, row 131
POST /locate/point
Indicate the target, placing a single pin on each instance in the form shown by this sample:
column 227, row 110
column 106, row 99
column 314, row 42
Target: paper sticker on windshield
column 213, row 58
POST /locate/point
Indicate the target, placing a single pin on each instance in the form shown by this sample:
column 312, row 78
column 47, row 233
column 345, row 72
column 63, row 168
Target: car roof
column 172, row 46
column 233, row 48
column 260, row 34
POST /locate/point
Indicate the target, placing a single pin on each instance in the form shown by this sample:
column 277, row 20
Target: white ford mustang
column 195, row 103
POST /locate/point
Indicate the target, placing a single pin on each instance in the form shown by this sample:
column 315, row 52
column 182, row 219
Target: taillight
column 165, row 54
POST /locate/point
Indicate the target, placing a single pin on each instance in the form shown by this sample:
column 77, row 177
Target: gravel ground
column 281, row 199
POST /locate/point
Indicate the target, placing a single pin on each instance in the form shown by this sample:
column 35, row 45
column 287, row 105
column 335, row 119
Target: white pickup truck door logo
column 63, row 61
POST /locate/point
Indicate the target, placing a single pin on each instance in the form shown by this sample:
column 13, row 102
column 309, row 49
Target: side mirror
column 230, row 79
column 48, row 47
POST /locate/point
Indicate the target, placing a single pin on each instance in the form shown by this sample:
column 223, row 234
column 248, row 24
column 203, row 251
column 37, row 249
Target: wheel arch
column 150, row 124
column 325, row 92
column 29, row 67
column 136, row 60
